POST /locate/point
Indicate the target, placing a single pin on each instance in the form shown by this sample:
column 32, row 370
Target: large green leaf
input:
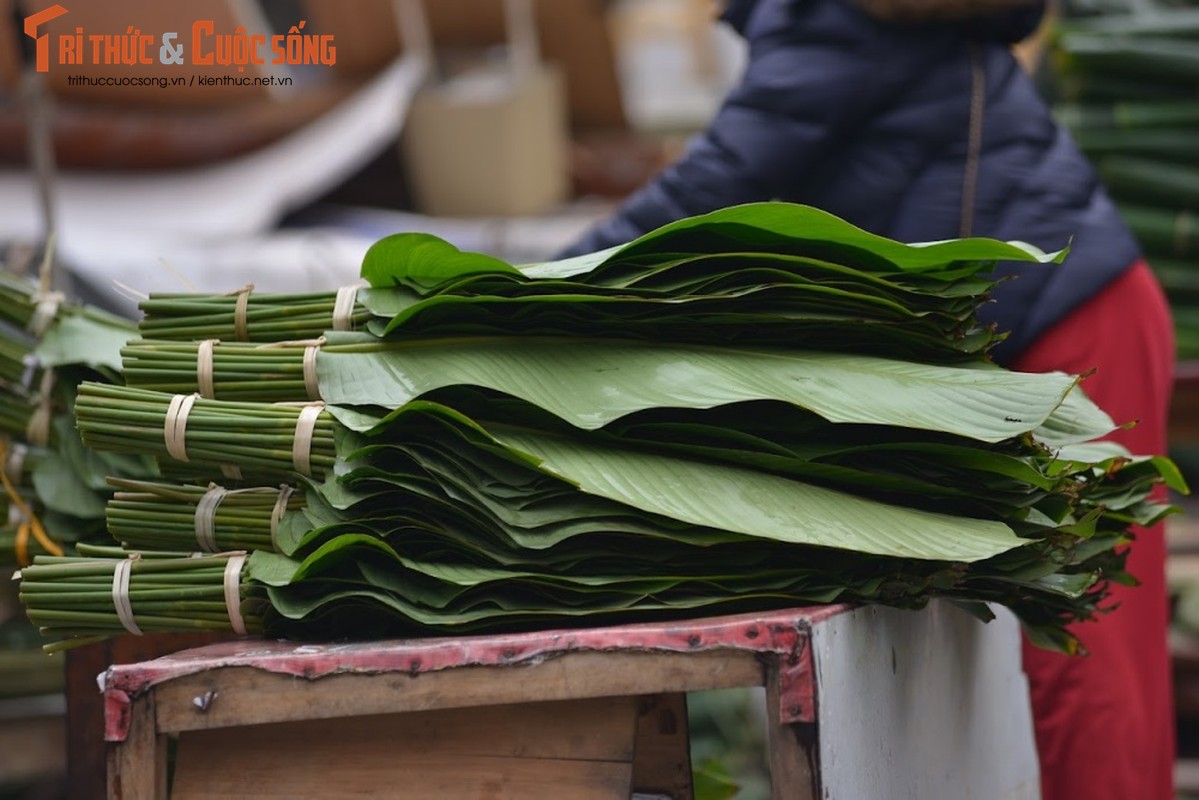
column 777, row 226
column 474, row 468
column 1075, row 421
column 426, row 259
column 714, row 496
column 62, row 489
column 925, row 470
column 92, row 340
column 761, row 505
column 764, row 298
column 590, row 383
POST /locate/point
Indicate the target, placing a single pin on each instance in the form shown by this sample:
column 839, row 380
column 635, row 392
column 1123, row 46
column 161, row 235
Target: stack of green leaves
column 1129, row 84
column 745, row 279
column 514, row 504
column 571, row 470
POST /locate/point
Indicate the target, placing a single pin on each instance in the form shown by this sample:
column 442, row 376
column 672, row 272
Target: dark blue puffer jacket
column 869, row 120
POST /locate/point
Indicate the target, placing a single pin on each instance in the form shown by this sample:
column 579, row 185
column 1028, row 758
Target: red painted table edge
column 784, row 633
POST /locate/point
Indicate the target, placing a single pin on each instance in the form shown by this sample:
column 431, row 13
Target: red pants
column 1104, row 722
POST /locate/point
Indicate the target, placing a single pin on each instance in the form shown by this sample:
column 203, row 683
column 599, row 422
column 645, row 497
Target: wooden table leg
column 86, row 768
column 137, row 767
column 794, row 774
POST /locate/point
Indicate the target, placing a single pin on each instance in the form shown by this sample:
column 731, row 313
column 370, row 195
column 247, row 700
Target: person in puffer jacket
column 871, row 120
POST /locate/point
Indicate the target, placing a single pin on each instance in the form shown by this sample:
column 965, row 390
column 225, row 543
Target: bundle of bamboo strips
column 97, row 597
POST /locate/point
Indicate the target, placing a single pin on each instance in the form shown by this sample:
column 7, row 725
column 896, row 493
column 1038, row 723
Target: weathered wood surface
column 862, row 703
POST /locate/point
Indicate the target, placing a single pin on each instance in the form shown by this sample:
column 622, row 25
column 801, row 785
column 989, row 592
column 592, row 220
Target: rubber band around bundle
column 14, row 461
column 44, row 312
column 120, row 595
column 31, row 364
column 204, row 368
column 343, row 308
column 277, row 513
column 174, row 429
column 311, row 348
column 239, row 312
column 233, row 593
column 311, row 386
column 204, row 521
column 301, row 448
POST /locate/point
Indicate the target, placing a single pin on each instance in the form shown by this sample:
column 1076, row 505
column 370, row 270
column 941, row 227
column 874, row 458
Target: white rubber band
column 343, row 308
column 277, row 513
column 301, row 447
column 233, row 593
column 37, row 432
column 44, row 313
column 311, row 348
column 120, row 595
column 31, row 363
column 205, row 518
column 14, row 464
column 204, row 377
column 168, row 424
column 311, row 386
column 174, row 429
column 239, row 313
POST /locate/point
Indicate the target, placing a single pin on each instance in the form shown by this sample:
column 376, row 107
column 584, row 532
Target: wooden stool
column 594, row 713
